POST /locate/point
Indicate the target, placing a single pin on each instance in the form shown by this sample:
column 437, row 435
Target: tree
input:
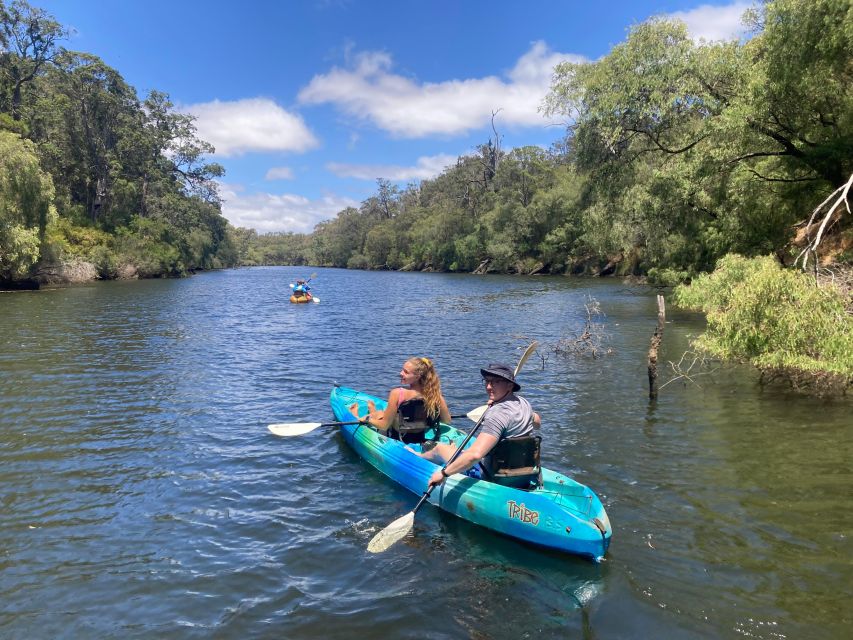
column 174, row 149
column 26, row 207
column 28, row 42
column 700, row 149
column 98, row 109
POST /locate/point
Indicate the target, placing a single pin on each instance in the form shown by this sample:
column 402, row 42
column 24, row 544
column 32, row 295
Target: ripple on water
column 143, row 495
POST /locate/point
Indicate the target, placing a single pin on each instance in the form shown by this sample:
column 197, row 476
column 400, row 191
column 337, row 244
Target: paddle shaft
column 342, row 424
column 452, row 458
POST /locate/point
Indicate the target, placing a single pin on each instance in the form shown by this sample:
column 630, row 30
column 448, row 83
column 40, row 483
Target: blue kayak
column 561, row 514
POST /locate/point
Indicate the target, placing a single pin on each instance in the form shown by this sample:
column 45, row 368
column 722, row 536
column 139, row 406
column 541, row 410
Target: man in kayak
column 508, row 416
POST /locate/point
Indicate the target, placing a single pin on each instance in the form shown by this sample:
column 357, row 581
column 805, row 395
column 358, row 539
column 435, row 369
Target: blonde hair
column 430, row 384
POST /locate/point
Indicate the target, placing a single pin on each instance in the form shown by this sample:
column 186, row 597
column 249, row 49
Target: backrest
column 515, row 456
column 412, row 416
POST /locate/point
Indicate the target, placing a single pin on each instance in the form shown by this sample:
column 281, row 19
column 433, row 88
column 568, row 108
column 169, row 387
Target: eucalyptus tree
column 386, row 203
column 175, row 152
column 519, row 219
column 98, row 109
column 29, row 40
column 335, row 241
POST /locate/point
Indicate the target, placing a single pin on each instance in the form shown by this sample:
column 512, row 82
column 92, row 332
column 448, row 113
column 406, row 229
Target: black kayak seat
column 413, row 421
column 515, row 462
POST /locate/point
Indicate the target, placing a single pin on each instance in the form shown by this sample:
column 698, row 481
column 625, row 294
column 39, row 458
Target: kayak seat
column 413, row 422
column 515, row 462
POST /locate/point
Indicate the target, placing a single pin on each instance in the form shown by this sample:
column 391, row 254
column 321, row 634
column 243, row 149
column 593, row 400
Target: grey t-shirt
column 511, row 417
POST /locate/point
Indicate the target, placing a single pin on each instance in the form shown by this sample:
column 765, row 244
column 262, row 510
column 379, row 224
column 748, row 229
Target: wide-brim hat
column 501, row 371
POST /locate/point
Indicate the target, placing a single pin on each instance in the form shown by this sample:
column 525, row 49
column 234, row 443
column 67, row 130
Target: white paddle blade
column 292, row 285
column 527, row 353
column 315, row 299
column 293, row 429
column 392, row 533
column 474, row 415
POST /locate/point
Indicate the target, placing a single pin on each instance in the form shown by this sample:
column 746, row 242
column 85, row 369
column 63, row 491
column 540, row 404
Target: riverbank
column 76, row 271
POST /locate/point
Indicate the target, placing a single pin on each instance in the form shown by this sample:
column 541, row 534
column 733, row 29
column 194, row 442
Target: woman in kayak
column 410, row 411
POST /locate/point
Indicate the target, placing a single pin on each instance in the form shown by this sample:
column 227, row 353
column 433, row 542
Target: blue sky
column 309, row 102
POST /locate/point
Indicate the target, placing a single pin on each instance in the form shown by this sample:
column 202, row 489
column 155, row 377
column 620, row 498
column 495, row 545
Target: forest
column 675, row 154
column 94, row 181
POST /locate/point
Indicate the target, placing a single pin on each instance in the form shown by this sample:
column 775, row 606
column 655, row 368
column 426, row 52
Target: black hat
column 501, row 371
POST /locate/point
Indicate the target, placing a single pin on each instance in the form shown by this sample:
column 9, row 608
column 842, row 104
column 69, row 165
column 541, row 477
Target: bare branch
column 812, row 245
column 697, row 361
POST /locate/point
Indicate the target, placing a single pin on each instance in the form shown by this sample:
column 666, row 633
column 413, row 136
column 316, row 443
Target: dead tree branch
column 697, row 361
column 833, row 213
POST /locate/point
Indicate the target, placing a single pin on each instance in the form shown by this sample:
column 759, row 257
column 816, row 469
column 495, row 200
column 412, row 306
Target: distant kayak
column 302, row 292
column 561, row 514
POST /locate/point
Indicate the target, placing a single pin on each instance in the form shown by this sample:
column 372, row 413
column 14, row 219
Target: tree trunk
column 657, row 336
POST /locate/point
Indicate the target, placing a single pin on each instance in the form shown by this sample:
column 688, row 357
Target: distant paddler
column 302, row 292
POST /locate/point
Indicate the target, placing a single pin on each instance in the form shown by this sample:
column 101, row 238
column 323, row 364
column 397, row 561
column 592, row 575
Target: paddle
column 314, row 299
column 474, row 414
column 402, row 525
column 287, row 429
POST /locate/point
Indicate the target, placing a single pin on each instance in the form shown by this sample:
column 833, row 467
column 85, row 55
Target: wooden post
column 657, row 336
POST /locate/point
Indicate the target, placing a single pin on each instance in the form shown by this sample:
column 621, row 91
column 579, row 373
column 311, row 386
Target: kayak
column 301, row 299
column 561, row 514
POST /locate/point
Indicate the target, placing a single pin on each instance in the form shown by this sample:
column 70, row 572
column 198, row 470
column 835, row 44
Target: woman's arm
column 379, row 419
column 444, row 412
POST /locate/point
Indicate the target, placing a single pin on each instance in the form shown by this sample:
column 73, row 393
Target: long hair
column 430, row 384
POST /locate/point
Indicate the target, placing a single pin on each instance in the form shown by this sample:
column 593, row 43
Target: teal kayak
column 561, row 514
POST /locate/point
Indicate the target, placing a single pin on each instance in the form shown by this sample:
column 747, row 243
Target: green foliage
column 105, row 261
column 358, row 261
column 663, row 277
column 26, row 206
column 776, row 318
column 77, row 241
column 150, row 246
column 697, row 150
column 19, row 251
column 113, row 160
column 679, row 153
column 8, row 123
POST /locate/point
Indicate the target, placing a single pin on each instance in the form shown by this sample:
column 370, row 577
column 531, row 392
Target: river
column 143, row 497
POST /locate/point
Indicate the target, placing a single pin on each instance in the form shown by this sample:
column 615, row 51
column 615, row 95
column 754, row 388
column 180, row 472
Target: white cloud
column 252, row 124
column 279, row 173
column 426, row 167
column 267, row 212
column 370, row 91
column 711, row 22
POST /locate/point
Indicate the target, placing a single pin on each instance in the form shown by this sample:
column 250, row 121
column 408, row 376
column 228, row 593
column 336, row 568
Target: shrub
column 105, row 262
column 358, row 261
column 778, row 319
column 664, row 277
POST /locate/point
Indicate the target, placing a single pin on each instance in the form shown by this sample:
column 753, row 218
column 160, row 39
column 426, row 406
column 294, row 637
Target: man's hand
column 435, row 479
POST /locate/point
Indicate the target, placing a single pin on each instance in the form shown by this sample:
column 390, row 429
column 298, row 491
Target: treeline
column 90, row 172
column 676, row 154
